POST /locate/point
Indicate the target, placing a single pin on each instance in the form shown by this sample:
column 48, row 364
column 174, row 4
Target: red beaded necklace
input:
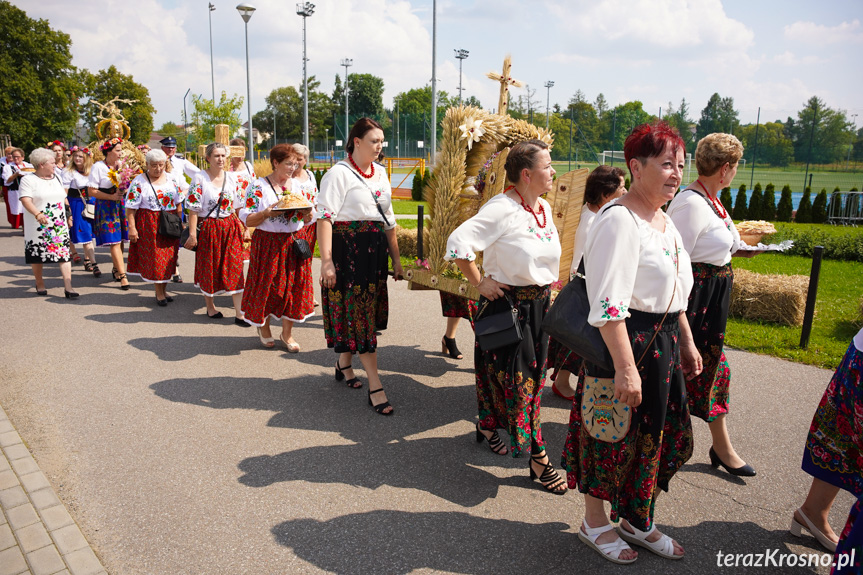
column 357, row 168
column 527, row 208
column 717, row 205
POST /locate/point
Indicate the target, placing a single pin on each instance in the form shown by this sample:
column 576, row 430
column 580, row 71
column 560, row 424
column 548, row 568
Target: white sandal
column 266, row 341
column 610, row 551
column 797, row 529
column 664, row 546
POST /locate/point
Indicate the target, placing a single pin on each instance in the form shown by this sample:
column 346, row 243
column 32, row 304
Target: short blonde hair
column 302, row 150
column 714, row 151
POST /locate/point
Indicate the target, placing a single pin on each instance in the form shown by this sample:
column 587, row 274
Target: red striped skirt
column 219, row 259
column 279, row 286
column 153, row 256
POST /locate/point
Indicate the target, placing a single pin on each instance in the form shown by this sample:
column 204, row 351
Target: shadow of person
column 402, row 542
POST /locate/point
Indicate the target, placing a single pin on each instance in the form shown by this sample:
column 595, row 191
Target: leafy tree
column 768, row 203
column 320, row 110
column 417, row 186
column 601, row 105
column 108, row 84
column 680, row 120
column 41, row 87
column 286, row 105
column 365, row 99
column 831, row 136
column 857, row 150
column 819, row 208
column 172, row 129
column 804, row 209
column 725, row 198
column 740, row 210
column 755, row 202
column 473, row 101
column 206, row 114
column 786, row 205
column 618, row 123
column 718, row 115
column 774, row 147
column 585, row 122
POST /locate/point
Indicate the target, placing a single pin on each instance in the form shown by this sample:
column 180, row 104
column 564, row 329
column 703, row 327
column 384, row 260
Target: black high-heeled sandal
column 381, row 406
column 120, row 278
column 550, row 479
column 494, row 442
column 353, row 382
column 115, row 274
column 448, row 346
column 97, row 273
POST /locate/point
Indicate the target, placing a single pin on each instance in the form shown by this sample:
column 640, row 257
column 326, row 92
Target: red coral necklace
column 527, row 208
column 357, row 168
column 717, row 205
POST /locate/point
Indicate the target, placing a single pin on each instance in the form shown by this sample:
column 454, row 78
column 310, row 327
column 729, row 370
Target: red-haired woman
column 109, row 225
column 356, row 232
column 215, row 196
column 638, row 280
column 280, row 285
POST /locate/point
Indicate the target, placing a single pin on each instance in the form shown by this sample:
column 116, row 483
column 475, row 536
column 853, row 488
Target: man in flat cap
column 180, row 165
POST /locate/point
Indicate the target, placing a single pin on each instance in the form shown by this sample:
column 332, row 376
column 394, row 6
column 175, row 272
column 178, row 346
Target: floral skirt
column 707, row 312
column 49, row 243
column 110, row 223
column 309, row 232
column 630, row 473
column 357, row 305
column 219, row 258
column 560, row 357
column 153, row 256
column 279, row 286
column 452, row 305
column 509, row 380
column 81, row 231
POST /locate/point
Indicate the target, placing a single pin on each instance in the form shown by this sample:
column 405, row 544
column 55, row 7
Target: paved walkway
column 37, row 534
column 179, row 445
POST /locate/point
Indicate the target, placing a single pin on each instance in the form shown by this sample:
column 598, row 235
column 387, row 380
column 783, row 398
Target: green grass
column 408, row 207
column 837, row 312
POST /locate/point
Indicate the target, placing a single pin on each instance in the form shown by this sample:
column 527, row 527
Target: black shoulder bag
column 184, row 236
column 302, row 249
column 170, row 224
column 380, row 209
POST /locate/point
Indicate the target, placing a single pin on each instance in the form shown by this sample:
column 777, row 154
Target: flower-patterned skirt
column 110, row 223
column 452, row 305
column 81, row 231
column 509, row 380
column 309, row 232
column 707, row 312
column 219, row 258
column 630, row 473
column 560, row 357
column 153, row 256
column 357, row 305
column 279, row 286
column 49, row 243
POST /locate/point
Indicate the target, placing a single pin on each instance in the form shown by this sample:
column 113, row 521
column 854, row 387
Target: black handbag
column 498, row 330
column 170, row 224
column 566, row 322
column 302, row 249
column 184, row 235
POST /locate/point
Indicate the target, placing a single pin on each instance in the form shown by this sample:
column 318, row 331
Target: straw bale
column 407, row 240
column 767, row 297
column 566, row 200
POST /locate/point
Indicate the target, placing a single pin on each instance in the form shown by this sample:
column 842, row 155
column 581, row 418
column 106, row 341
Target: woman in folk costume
column 110, row 217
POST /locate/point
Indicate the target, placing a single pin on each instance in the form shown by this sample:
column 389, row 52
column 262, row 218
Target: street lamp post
column 548, row 86
column 212, row 71
column 434, row 84
column 305, row 10
column 246, row 10
column 461, row 55
column 275, row 140
column 346, row 62
column 186, row 123
column 851, row 146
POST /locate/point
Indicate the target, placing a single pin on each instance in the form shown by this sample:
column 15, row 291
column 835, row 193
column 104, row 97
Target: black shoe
column 161, row 302
column 169, row 299
column 550, row 479
column 177, row 279
column 116, row 274
column 744, row 471
column 448, row 346
column 42, row 292
column 70, row 294
column 381, row 407
column 353, row 382
column 217, row 315
column 241, row 322
column 494, row 442
column 120, row 278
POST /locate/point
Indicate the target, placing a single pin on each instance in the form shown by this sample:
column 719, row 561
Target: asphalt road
column 180, row 445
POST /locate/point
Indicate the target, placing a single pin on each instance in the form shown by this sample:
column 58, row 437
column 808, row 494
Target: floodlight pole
column 461, row 55
column 212, row 69
column 246, row 10
column 347, row 62
column 305, row 10
column 434, row 83
column 548, row 86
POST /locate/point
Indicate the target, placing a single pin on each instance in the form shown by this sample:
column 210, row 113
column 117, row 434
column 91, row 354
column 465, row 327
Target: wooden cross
column 223, row 136
column 505, row 82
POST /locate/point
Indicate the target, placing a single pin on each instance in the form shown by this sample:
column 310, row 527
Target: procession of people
column 658, row 286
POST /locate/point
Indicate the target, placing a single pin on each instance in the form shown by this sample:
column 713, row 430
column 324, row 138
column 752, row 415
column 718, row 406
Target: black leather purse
column 170, row 224
column 498, row 330
column 302, row 249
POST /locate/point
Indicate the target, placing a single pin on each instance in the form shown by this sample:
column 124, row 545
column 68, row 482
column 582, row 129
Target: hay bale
column 407, row 240
column 775, row 298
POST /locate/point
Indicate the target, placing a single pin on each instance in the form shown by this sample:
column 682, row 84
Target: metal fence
column 845, row 208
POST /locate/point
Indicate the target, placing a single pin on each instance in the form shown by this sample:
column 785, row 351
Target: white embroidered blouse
column 73, row 179
column 516, row 251
column 202, row 196
column 707, row 237
column 585, row 222
column 99, row 176
column 263, row 193
column 630, row 265
column 143, row 196
column 345, row 197
column 309, row 188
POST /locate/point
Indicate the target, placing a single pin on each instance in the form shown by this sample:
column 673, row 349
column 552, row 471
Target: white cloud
column 812, row 33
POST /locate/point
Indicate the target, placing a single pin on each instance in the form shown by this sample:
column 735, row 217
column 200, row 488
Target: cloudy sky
column 769, row 53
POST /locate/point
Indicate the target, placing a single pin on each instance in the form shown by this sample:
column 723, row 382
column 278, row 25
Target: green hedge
column 840, row 242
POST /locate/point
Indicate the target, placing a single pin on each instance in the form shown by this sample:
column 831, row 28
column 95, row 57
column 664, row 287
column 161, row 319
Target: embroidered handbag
column 498, row 330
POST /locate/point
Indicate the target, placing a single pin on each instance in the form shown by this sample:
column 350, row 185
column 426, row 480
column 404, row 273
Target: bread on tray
column 292, row 202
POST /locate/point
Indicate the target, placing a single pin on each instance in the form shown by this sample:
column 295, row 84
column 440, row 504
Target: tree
column 320, row 110
column 718, row 115
column 786, row 205
column 286, row 105
column 740, row 210
column 774, row 147
column 172, row 129
column 804, row 208
column 828, row 130
column 768, row 203
column 755, row 202
column 206, row 114
column 473, row 101
column 618, row 123
column 41, row 87
column 108, row 84
column 819, row 208
column 366, row 95
column 585, row 124
column 601, row 105
column 680, row 120
column 725, row 199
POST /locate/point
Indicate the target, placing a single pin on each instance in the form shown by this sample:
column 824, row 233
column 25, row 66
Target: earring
column 721, row 181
